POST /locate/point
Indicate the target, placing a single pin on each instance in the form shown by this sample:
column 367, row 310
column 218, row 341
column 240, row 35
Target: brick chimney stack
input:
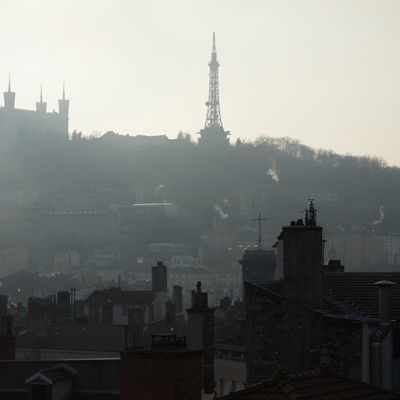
column 170, row 314
column 134, row 330
column 159, row 278
column 303, row 256
column 200, row 330
column 160, row 290
column 166, row 371
column 7, row 338
column 178, row 299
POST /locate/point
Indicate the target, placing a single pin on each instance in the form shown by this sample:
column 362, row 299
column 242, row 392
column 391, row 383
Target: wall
column 342, row 344
column 279, row 335
column 161, row 375
column 230, row 369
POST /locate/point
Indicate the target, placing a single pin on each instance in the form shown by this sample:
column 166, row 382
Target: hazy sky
column 324, row 72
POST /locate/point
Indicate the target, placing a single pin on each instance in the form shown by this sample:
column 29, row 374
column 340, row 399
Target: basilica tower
column 41, row 105
column 9, row 97
column 63, row 109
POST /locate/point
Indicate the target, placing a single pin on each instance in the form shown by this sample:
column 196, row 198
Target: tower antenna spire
column 63, row 94
column 213, row 132
column 9, row 82
column 214, row 48
column 259, row 219
column 41, row 93
column 213, row 118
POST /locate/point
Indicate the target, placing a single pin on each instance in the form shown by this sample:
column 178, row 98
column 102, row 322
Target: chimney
column 166, row 371
column 136, row 316
column 3, row 304
column 64, row 301
column 170, row 314
column 134, row 330
column 133, row 337
column 200, row 329
column 302, row 247
column 382, row 340
column 159, row 278
column 385, row 305
column 7, row 338
column 178, row 299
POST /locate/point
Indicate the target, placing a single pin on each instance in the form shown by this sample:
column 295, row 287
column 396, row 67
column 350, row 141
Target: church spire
column 9, row 96
column 63, row 110
column 41, row 105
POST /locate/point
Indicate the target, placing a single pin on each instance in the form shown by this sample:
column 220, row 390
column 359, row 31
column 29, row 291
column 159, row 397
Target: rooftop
column 318, row 385
column 77, row 337
column 350, row 290
column 119, row 296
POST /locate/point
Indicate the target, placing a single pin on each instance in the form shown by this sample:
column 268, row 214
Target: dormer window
column 51, row 384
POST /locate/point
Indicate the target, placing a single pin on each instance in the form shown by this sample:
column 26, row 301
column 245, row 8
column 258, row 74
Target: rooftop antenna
column 9, row 82
column 310, row 214
column 63, row 91
column 214, row 47
column 259, row 219
column 41, row 93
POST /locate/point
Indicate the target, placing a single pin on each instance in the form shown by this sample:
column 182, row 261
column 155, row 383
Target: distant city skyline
column 325, row 73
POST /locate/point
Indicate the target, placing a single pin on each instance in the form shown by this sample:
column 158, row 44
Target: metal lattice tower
column 213, row 118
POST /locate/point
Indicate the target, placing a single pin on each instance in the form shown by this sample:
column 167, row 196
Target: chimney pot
column 385, row 306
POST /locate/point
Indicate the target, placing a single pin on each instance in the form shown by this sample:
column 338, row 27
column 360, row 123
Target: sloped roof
column 317, row 385
column 60, row 372
column 356, row 290
column 359, row 289
column 119, row 296
column 275, row 287
column 77, row 338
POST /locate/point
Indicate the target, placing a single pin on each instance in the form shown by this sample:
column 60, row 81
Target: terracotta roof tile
column 311, row 386
column 359, row 289
column 356, row 290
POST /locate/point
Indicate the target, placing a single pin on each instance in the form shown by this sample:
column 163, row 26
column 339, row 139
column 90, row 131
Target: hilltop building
column 213, row 133
column 29, row 127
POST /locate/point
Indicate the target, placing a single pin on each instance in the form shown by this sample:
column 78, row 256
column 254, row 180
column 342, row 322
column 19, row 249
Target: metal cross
column 259, row 219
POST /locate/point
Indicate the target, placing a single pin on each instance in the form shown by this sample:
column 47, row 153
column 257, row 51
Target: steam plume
column 220, row 212
column 273, row 172
column 381, row 216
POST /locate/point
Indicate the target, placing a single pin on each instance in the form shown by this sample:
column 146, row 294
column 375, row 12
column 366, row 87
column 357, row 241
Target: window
column 125, row 310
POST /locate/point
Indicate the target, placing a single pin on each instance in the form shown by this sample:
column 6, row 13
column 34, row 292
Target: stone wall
column 290, row 337
column 341, row 346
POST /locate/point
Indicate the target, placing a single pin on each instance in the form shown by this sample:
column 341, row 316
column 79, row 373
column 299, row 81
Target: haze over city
column 325, row 73
column 199, row 200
